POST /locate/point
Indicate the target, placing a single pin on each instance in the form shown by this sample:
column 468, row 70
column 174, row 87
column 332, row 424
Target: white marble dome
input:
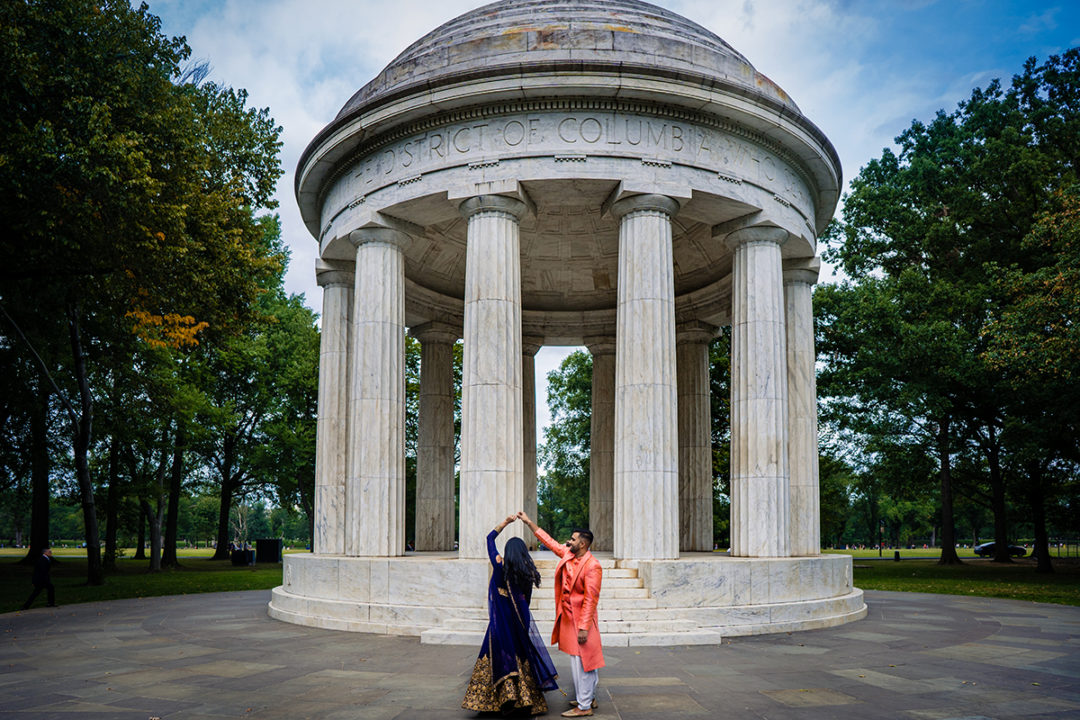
column 523, row 36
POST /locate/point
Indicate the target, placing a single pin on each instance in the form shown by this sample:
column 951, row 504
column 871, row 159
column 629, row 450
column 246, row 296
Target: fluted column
column 799, row 278
column 646, row 495
column 759, row 470
column 529, row 347
column 491, row 412
column 602, row 441
column 375, row 493
column 695, row 436
column 331, row 436
column 435, row 437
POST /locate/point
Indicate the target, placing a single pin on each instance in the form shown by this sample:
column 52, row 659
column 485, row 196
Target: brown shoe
column 573, row 703
column 577, row 712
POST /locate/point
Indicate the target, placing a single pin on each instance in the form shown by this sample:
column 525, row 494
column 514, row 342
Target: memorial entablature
column 543, row 172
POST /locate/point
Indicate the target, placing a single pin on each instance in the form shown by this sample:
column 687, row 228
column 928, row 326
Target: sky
column 860, row 70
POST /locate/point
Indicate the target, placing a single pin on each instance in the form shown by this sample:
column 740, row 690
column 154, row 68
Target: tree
column 563, row 490
column 720, row 432
column 1035, row 342
column 924, row 236
column 260, row 391
column 286, row 461
column 128, row 200
column 888, row 371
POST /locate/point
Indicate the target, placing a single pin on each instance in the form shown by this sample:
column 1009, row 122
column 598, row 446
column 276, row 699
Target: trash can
column 242, row 557
column 268, row 550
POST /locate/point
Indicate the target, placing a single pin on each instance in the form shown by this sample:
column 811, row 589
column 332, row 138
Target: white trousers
column 584, row 682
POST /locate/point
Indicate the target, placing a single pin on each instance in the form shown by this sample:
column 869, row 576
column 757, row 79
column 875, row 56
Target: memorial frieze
column 562, row 135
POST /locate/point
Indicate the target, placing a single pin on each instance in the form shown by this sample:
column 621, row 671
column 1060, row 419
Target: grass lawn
column 975, row 577
column 198, row 574
column 935, row 553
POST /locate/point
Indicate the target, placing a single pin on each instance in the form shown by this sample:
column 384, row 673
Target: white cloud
column 1046, row 20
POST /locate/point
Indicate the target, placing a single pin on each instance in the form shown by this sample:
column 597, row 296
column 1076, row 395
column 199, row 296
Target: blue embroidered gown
column 514, row 668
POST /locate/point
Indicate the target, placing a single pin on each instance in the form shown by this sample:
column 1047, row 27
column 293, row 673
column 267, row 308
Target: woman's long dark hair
column 518, row 565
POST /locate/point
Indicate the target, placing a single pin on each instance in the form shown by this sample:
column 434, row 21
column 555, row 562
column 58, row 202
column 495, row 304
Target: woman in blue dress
column 514, row 668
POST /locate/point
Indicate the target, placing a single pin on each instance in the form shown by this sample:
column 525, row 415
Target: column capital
column 437, row 332
column 493, row 203
column 636, row 203
column 531, row 344
column 385, row 235
column 757, row 234
column 329, row 273
column 600, row 344
column 804, row 270
column 695, row 331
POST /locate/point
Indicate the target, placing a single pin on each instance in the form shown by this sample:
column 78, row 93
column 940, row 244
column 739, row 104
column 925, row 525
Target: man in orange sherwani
column 577, row 590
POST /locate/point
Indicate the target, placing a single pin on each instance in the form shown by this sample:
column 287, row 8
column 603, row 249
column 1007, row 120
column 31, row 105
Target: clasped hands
column 519, row 515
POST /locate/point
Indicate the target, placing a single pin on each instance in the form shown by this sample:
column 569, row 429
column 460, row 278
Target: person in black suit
column 41, row 579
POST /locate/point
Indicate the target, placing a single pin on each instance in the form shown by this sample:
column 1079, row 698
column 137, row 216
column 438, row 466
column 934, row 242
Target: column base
column 695, row 600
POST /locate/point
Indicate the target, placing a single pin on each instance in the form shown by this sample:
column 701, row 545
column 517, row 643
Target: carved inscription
column 656, row 141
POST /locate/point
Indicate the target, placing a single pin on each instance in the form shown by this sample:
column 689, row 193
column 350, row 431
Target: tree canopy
column 131, row 195
column 957, row 252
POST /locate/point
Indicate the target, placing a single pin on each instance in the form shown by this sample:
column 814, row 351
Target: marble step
column 547, row 615
column 547, row 572
column 619, row 597
column 615, row 626
column 547, row 560
column 548, row 581
column 606, row 593
column 700, row 636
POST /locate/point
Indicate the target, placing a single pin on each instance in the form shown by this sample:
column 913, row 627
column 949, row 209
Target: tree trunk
column 222, row 551
column 1038, row 518
column 112, row 502
column 81, row 429
column 948, row 528
column 175, row 477
column 140, row 548
column 39, row 476
column 997, row 499
column 155, row 533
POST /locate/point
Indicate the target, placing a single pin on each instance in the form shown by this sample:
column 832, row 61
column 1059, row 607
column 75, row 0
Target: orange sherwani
column 576, row 610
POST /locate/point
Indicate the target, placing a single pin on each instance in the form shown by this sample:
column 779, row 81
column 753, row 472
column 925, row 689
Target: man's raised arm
column 555, row 547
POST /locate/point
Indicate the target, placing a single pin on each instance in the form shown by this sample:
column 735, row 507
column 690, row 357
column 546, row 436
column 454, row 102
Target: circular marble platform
column 694, row 600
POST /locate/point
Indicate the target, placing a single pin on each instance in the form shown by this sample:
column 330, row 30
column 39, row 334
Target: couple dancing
column 514, row 668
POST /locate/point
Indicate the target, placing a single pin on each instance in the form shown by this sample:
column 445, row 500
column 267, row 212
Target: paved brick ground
column 220, row 656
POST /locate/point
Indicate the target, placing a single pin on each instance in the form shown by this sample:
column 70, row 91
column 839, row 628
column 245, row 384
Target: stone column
column 375, row 493
column 799, row 278
column 529, row 347
column 646, row 488
column 331, row 440
column 759, row 473
column 491, row 412
column 602, row 440
column 695, row 436
column 435, row 441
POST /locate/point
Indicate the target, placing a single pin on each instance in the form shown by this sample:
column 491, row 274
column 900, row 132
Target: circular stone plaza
column 602, row 173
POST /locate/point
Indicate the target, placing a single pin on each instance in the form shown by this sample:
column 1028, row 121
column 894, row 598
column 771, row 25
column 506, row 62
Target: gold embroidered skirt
column 516, row 691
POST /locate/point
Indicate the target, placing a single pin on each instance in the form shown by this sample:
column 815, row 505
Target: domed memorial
column 602, row 173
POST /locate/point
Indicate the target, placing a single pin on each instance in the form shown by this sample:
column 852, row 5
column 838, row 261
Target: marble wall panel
column 354, row 581
column 449, row 583
column 760, row 589
column 785, row 582
column 689, row 583
column 379, row 582
column 321, row 578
